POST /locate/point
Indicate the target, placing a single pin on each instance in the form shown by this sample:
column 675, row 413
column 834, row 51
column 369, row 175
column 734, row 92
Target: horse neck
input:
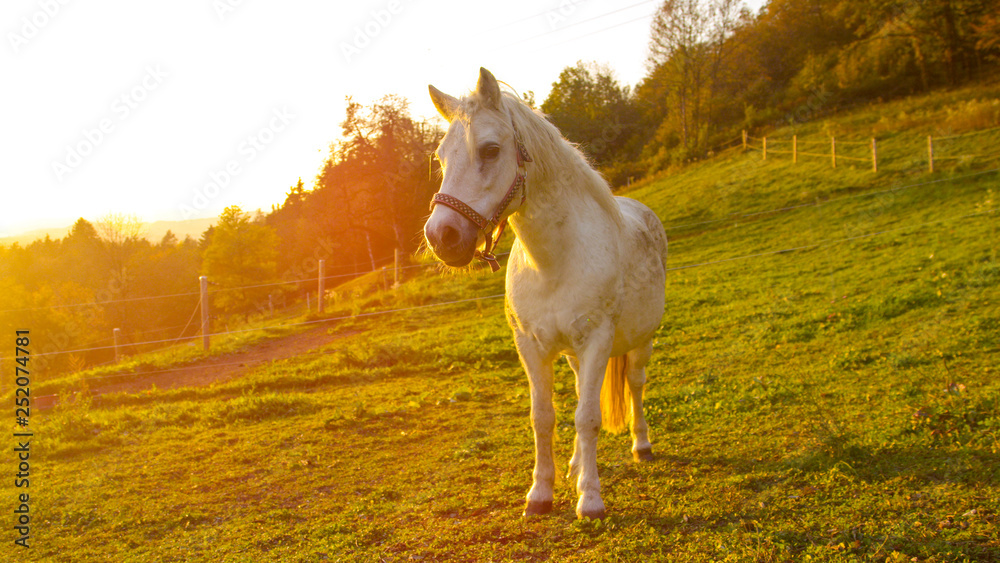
column 561, row 216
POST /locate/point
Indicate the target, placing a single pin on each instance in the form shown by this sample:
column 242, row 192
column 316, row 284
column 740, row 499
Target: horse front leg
column 543, row 422
column 583, row 465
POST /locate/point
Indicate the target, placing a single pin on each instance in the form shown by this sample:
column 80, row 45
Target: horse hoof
column 645, row 454
column 593, row 515
column 537, row 507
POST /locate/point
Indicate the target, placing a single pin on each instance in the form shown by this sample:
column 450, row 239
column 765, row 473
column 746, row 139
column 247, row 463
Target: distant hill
column 154, row 231
column 181, row 229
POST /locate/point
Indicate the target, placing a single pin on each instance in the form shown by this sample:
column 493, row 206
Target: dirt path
column 207, row 371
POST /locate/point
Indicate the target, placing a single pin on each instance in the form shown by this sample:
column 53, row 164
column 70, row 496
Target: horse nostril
column 450, row 237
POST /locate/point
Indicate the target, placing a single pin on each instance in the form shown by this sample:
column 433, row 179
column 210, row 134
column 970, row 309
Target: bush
column 973, row 115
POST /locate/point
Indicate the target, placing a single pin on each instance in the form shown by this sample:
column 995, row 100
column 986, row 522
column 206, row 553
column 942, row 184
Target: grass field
column 824, row 388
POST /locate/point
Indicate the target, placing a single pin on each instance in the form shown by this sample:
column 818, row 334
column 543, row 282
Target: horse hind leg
column 642, row 449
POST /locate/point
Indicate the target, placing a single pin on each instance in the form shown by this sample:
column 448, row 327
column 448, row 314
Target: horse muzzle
column 451, row 237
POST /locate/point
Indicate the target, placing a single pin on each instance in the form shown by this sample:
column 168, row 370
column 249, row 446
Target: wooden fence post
column 395, row 268
column 833, row 150
column 270, row 304
column 117, row 333
column 744, row 140
column 930, row 154
column 321, row 292
column 874, row 156
column 765, row 149
column 795, row 149
column 204, row 312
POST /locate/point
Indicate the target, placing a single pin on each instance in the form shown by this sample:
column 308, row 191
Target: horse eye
column 489, row 152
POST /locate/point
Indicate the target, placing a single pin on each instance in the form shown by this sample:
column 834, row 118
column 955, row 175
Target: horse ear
column 488, row 89
column 446, row 105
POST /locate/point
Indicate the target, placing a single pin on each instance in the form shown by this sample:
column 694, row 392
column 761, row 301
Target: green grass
column 840, row 402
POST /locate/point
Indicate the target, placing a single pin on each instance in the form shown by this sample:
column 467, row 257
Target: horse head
column 482, row 159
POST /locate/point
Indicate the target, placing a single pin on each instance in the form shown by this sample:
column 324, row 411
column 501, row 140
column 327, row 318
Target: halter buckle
column 489, row 258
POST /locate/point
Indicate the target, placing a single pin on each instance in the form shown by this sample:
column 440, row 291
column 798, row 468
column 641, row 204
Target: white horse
column 585, row 277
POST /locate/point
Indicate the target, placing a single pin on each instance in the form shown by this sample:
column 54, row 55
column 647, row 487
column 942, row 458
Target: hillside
column 823, row 387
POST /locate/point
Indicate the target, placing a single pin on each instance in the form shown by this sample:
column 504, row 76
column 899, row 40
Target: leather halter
column 487, row 226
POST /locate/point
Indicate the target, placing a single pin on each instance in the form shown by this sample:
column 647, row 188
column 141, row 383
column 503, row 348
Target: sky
column 176, row 110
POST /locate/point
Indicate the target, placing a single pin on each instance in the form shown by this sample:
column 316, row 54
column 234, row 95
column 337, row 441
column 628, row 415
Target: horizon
column 152, row 231
column 238, row 111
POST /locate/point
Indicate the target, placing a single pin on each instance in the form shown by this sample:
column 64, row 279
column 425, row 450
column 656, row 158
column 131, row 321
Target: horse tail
column 616, row 399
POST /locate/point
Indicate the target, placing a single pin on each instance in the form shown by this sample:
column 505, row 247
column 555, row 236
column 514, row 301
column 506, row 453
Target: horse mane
column 552, row 154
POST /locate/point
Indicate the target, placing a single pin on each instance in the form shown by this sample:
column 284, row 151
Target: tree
column 369, row 198
column 988, row 34
column 590, row 108
column 169, row 239
column 689, row 46
column 676, row 44
column 121, row 234
column 241, row 253
column 206, row 239
column 390, row 150
column 122, row 237
column 119, row 229
column 84, row 250
column 295, row 196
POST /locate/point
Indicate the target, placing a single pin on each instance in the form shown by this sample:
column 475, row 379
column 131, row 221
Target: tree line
column 713, row 68
column 369, row 199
